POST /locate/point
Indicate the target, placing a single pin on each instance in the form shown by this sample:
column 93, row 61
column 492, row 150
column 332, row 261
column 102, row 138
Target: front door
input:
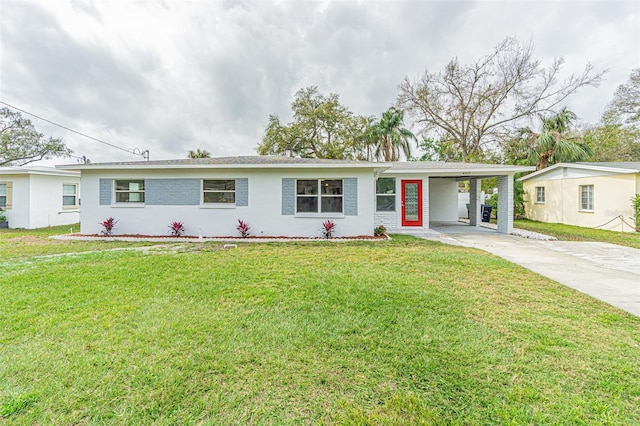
column 412, row 203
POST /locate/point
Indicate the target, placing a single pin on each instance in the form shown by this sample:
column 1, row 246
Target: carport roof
column 442, row 168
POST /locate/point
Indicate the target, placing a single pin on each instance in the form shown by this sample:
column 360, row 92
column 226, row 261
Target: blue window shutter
column 172, row 192
column 105, row 192
column 350, row 196
column 288, row 196
column 242, row 192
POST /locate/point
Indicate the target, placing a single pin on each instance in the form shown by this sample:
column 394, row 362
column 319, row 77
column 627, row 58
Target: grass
column 400, row 332
column 577, row 233
column 26, row 243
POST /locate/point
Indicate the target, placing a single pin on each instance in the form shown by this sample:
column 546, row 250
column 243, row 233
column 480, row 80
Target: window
column 319, row 196
column 219, row 191
column 586, row 197
column 3, row 195
column 386, row 194
column 129, row 191
column 69, row 195
column 540, row 195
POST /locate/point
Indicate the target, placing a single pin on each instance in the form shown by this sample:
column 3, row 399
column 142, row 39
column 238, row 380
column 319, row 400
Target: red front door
column 411, row 203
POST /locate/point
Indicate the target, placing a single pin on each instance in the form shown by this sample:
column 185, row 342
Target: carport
column 425, row 194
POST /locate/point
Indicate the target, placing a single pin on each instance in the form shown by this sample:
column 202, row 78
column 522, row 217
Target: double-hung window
column 540, row 195
column 319, row 196
column 586, row 197
column 219, row 191
column 386, row 194
column 69, row 195
column 3, row 195
column 129, row 191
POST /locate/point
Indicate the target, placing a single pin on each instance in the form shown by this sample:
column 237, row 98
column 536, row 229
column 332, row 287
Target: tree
column 390, row 138
column 625, row 106
column 556, row 142
column 476, row 105
column 199, row 153
column 617, row 136
column 21, row 143
column 321, row 128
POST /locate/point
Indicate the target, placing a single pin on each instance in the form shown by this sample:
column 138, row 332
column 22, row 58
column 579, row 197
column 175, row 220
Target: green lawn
column 397, row 332
column 578, row 233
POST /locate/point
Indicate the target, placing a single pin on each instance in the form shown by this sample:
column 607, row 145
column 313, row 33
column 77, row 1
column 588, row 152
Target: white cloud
column 177, row 75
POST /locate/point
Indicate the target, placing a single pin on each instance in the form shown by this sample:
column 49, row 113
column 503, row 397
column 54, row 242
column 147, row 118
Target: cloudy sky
column 169, row 76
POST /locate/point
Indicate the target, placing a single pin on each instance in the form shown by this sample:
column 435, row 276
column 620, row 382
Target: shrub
column 108, row 226
column 635, row 202
column 328, row 228
column 243, row 228
column 380, row 231
column 177, row 228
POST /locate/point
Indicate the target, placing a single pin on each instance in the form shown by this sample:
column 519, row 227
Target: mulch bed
column 227, row 238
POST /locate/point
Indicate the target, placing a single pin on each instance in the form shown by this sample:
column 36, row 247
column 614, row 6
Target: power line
column 145, row 154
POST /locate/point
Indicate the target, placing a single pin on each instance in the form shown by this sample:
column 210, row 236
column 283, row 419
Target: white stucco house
column 282, row 196
column 593, row 195
column 37, row 197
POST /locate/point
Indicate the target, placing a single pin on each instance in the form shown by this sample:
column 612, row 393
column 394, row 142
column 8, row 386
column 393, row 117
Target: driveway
column 605, row 271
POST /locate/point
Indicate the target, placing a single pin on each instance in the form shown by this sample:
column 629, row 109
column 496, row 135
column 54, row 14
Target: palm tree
column 556, row 142
column 390, row 138
column 199, row 153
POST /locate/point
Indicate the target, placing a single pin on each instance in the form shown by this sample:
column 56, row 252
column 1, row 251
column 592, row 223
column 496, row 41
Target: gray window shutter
column 288, row 196
column 172, row 192
column 105, row 192
column 350, row 196
column 242, row 192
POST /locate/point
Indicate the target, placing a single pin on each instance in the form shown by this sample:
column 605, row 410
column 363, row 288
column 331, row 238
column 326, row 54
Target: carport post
column 505, row 204
column 474, row 202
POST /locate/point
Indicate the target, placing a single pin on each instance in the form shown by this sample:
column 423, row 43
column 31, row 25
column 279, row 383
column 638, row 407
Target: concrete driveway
column 605, row 271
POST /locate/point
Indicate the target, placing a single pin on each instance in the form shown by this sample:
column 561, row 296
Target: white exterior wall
column 46, row 201
column 18, row 214
column 443, row 200
column 263, row 213
column 612, row 198
column 37, row 200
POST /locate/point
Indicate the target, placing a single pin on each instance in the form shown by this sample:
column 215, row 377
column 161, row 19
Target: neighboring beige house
column 592, row 195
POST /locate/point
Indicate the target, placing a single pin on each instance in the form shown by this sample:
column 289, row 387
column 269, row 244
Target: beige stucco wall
column 611, row 194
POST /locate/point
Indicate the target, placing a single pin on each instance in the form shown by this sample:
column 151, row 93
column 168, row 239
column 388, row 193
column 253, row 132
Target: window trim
column 128, row 203
column 591, row 198
column 394, row 195
column 543, row 199
column 319, row 196
column 206, row 205
column 76, row 199
column 8, row 204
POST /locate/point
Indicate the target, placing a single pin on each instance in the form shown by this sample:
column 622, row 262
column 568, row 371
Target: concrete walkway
column 605, row 271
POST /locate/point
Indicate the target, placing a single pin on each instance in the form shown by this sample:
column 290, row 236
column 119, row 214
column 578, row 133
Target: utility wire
column 80, row 133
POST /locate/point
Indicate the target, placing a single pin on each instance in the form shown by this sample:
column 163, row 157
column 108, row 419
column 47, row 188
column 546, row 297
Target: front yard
column 399, row 332
column 577, row 233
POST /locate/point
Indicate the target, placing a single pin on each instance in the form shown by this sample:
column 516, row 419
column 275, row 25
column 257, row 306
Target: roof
column 269, row 161
column 610, row 167
column 37, row 170
column 459, row 170
column 255, row 161
column 622, row 165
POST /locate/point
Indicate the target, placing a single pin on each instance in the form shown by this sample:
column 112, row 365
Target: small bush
column 243, row 228
column 176, row 228
column 108, row 226
column 380, row 231
column 328, row 228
